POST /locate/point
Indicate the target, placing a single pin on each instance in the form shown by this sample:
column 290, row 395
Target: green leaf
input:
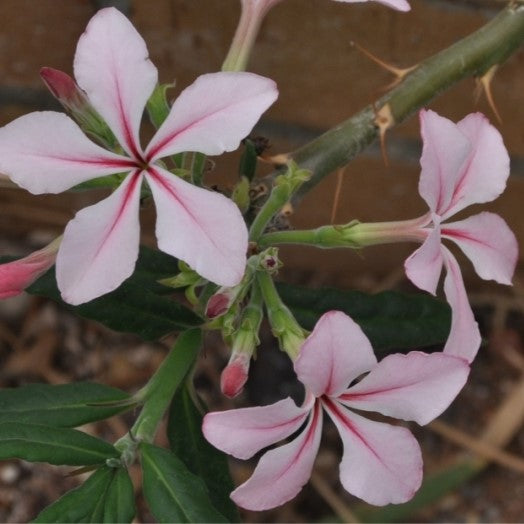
column 173, row 493
column 39, row 443
column 138, row 306
column 106, row 496
column 391, row 320
column 64, row 405
column 157, row 106
column 184, row 431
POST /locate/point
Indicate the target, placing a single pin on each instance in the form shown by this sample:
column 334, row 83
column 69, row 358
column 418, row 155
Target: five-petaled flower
column 381, row 463
column 462, row 164
column 46, row 152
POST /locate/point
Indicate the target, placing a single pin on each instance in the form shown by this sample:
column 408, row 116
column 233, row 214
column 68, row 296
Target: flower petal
column 243, row 432
column 483, row 177
column 100, row 245
column 444, row 154
column 423, row 266
column 46, row 152
column 336, row 352
column 488, row 242
column 282, row 472
column 417, row 386
column 400, row 5
column 203, row 228
column 213, row 114
column 464, row 338
column 382, row 464
column 112, row 66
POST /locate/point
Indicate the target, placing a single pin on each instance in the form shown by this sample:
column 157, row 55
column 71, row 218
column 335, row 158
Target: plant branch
column 472, row 56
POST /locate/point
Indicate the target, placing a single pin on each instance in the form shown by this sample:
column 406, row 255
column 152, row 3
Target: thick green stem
column 159, row 391
column 492, row 44
column 355, row 235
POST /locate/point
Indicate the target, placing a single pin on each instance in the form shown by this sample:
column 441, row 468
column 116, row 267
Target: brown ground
column 41, row 342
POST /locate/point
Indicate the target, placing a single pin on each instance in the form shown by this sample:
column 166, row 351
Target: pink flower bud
column 64, row 89
column 219, row 303
column 15, row 276
column 234, row 375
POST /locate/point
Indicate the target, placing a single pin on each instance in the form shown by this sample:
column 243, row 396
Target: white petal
column 382, row 464
column 213, row 114
column 336, row 352
column 416, row 386
column 203, row 228
column 100, row 245
column 484, row 175
column 423, row 266
column 243, row 432
column 464, row 338
column 488, row 242
column 46, row 152
column 282, row 472
column 112, row 66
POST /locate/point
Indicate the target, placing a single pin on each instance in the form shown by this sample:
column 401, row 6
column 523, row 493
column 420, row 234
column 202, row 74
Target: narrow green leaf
column 106, row 496
column 39, row 443
column 64, row 405
column 391, row 320
column 184, row 431
column 173, row 493
column 248, row 160
column 138, row 306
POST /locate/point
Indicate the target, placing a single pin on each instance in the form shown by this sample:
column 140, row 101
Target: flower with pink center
column 381, row 463
column 462, row 164
column 17, row 275
column 46, row 152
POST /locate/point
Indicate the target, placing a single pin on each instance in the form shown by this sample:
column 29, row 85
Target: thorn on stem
column 384, row 120
column 484, row 84
column 399, row 72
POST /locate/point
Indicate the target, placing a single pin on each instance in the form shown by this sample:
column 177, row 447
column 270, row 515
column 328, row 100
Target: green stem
column 159, row 391
column 283, row 324
column 354, row 235
column 492, row 44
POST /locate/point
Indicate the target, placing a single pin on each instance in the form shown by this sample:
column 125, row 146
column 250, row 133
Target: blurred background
column 306, row 46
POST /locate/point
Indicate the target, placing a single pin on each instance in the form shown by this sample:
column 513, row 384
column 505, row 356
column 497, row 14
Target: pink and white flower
column 381, row 463
column 462, row 164
column 46, row 152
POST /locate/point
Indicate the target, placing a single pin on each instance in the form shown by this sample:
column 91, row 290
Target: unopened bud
column 234, row 375
column 64, row 89
column 19, row 274
column 219, row 303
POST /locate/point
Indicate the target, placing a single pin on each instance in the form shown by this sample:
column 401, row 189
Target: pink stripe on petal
column 488, row 242
column 336, row 352
column 416, row 386
column 282, row 472
column 464, row 338
column 381, row 464
column 100, row 245
column 112, row 66
column 444, row 152
column 46, row 152
column 423, row 266
column 243, row 432
column 213, row 114
column 203, row 228
column 484, row 175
